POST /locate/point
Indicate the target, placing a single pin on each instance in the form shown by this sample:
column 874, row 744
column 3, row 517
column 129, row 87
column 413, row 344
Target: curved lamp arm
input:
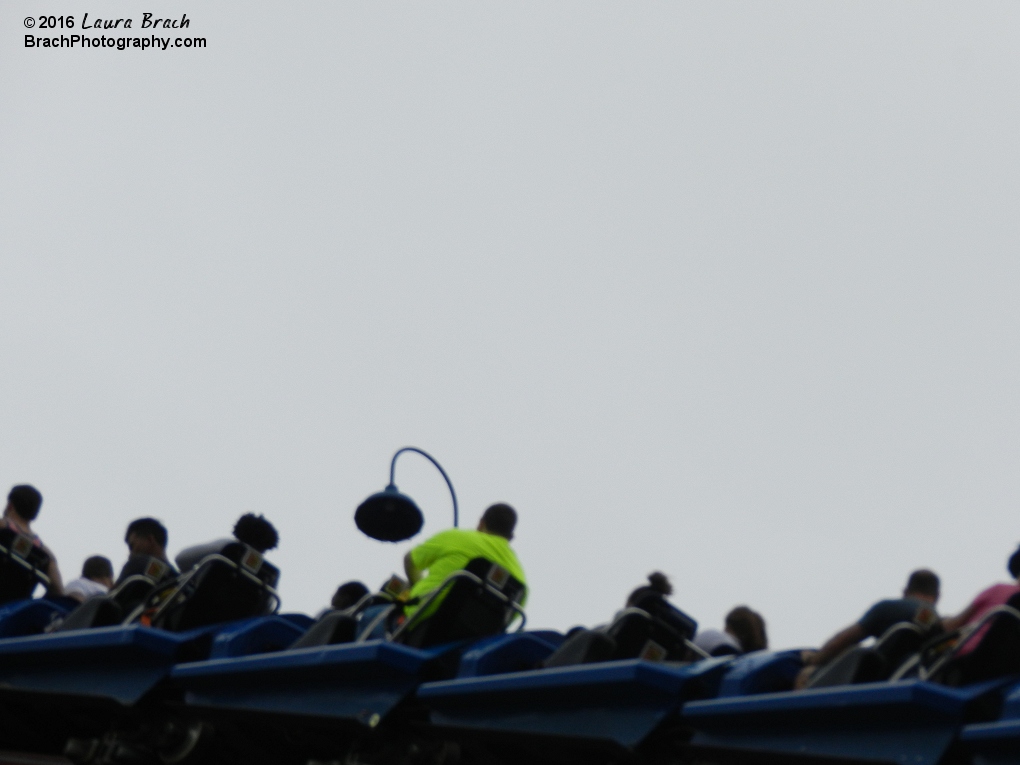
column 430, row 458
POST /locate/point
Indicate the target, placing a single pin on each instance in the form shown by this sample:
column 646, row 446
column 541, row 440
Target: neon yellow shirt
column 451, row 550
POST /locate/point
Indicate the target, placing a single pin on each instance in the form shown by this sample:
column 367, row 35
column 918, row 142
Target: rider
column 743, row 632
column 348, row 594
column 96, row 579
column 253, row 530
column 146, row 539
column 917, row 605
column 23, row 503
column 985, row 601
column 430, row 563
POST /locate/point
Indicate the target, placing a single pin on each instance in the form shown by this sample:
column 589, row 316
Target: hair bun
column 660, row 583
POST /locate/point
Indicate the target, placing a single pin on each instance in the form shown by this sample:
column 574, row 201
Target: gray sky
column 723, row 289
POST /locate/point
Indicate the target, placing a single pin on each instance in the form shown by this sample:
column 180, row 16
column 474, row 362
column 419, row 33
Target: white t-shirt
column 83, row 589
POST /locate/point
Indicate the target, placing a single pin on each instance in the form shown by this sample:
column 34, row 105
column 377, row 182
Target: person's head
column 24, row 501
column 347, row 594
column 658, row 585
column 146, row 536
column 98, row 569
column 1014, row 565
column 748, row 627
column 255, row 531
column 923, row 584
column 499, row 520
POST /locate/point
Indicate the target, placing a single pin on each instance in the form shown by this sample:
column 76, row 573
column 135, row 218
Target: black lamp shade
column 389, row 516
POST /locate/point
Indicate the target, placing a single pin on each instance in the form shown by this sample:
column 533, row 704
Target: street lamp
column 390, row 516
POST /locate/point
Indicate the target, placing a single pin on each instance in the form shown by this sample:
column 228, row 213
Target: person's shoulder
column 85, row 587
column 1005, row 588
column 888, row 603
column 882, row 609
column 1001, row 591
column 448, row 536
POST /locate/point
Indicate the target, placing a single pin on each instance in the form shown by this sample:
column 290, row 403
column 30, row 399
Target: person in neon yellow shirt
column 428, row 564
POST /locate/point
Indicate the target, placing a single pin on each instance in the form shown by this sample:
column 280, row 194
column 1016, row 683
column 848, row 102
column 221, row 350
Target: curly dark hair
column 256, row 531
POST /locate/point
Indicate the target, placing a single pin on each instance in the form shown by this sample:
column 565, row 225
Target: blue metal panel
column 617, row 703
column 358, row 683
column 302, row 621
column 997, row 742
column 507, row 653
column 903, row 722
column 761, row 672
column 28, row 617
column 113, row 663
column 253, row 636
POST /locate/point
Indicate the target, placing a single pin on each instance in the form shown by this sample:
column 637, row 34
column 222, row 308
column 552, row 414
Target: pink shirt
column 996, row 595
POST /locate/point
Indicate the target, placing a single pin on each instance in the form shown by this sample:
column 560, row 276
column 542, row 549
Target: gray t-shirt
column 190, row 557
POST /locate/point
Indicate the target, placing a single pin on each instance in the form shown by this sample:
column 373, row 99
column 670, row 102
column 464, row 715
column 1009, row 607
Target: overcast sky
column 728, row 290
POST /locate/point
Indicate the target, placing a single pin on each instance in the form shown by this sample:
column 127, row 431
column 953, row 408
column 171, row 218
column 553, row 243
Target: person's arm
column 833, row 647
column 838, row 643
column 418, row 560
column 951, row 623
column 56, row 587
column 414, row 574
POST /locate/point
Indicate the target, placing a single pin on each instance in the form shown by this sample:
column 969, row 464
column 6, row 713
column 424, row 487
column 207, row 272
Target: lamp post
column 390, row 516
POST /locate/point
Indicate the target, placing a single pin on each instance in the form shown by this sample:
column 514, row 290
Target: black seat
column 476, row 602
column 342, row 626
column 121, row 602
column 871, row 664
column 639, row 635
column 234, row 583
column 23, row 566
column 655, row 631
column 331, row 628
column 671, row 629
column 997, row 655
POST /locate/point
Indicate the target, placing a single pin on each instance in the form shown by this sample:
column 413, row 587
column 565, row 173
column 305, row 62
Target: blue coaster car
column 305, row 703
column 996, row 742
column 30, row 617
column 332, row 694
column 76, row 684
column 599, row 696
column 588, row 712
column 908, row 721
column 915, row 717
column 69, row 690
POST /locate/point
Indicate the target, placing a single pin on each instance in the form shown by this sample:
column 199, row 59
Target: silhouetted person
column 917, row 605
column 146, row 539
column 23, row 504
column 348, row 594
column 985, row 601
column 430, row 563
column 749, row 629
column 743, row 632
column 253, row 530
column 96, row 579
